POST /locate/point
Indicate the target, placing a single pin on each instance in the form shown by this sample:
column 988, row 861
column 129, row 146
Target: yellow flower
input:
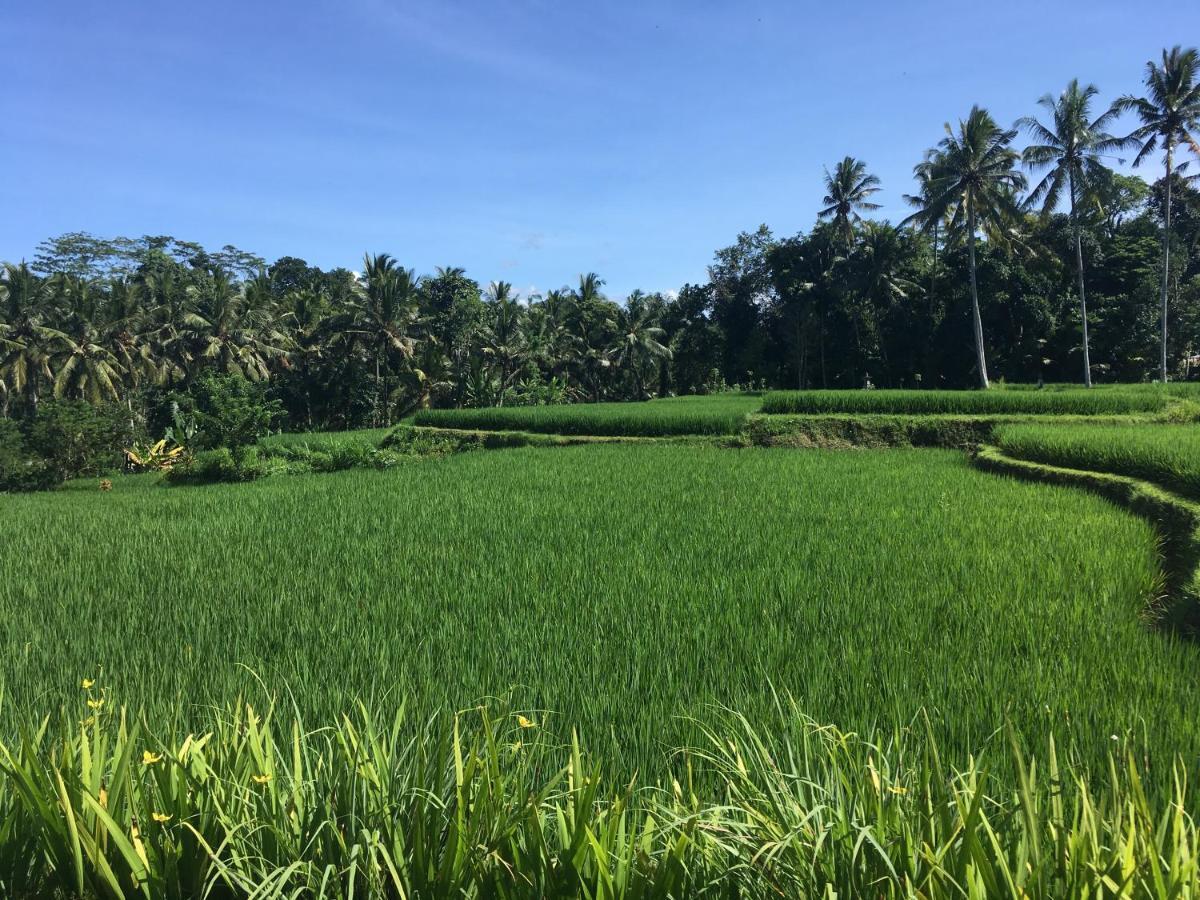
column 95, row 704
column 160, row 818
column 525, row 723
column 87, row 683
column 261, row 779
column 149, row 759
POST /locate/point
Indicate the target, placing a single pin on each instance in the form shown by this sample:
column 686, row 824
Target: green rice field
column 1168, row 455
column 1000, row 402
column 616, row 589
column 716, row 414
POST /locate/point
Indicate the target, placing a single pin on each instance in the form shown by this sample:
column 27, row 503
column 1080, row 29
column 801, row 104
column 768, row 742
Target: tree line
column 1033, row 264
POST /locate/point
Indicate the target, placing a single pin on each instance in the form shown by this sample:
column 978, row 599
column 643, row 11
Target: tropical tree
column 1071, row 147
column 503, row 340
column 24, row 340
column 639, row 339
column 847, row 191
column 219, row 332
column 591, row 323
column 381, row 319
column 974, row 180
column 84, row 368
column 1170, row 116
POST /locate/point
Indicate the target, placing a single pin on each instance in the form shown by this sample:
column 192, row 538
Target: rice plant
column 620, row 588
column 1168, row 455
column 486, row 804
column 1064, row 402
column 718, row 414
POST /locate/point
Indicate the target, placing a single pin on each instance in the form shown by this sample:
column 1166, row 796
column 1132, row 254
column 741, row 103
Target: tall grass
column 622, row 588
column 1079, row 402
column 1168, row 455
column 261, row 807
column 323, row 441
column 718, row 414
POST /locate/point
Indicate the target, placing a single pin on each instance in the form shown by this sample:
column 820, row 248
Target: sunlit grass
column 1168, row 455
column 620, row 588
column 716, row 414
column 1011, row 401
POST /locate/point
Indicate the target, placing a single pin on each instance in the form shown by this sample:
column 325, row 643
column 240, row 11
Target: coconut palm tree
column 503, row 339
column 24, row 341
column 639, row 339
column 219, row 332
column 380, row 318
column 846, row 193
column 1071, row 147
column 83, row 367
column 975, row 181
column 1170, row 116
column 923, row 203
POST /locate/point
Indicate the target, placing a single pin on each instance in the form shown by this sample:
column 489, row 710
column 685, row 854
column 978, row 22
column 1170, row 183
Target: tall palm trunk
column 378, row 386
column 1087, row 360
column 1166, row 265
column 980, row 357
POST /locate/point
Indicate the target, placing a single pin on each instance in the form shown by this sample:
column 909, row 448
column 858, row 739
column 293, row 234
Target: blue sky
column 526, row 141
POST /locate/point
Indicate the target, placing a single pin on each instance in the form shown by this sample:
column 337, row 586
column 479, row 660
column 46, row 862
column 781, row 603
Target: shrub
column 19, row 470
column 228, row 411
column 220, row 465
column 73, row 438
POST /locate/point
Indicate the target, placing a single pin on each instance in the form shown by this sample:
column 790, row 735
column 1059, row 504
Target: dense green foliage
column 218, row 411
column 977, row 402
column 619, row 586
column 716, row 414
column 65, row 439
column 973, row 283
column 1168, row 455
column 493, row 806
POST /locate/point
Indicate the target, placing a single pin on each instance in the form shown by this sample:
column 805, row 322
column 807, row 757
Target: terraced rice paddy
column 619, row 588
column 999, row 402
column 1168, row 455
column 718, row 414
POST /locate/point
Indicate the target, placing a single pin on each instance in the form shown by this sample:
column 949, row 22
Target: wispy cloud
column 473, row 34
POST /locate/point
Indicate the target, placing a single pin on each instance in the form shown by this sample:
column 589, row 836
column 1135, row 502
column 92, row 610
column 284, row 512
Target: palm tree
column 1072, row 147
column 1169, row 114
column 591, row 325
column 639, row 339
column 83, row 367
column 219, row 330
column 502, row 335
column 846, row 193
column 24, row 340
column 379, row 318
column 974, row 177
column 923, row 203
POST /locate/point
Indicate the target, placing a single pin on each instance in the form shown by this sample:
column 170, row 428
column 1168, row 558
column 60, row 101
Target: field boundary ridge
column 1175, row 519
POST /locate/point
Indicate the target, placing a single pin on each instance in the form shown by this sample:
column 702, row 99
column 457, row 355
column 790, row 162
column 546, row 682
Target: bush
column 19, row 470
column 228, row 411
column 220, row 465
column 73, row 438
